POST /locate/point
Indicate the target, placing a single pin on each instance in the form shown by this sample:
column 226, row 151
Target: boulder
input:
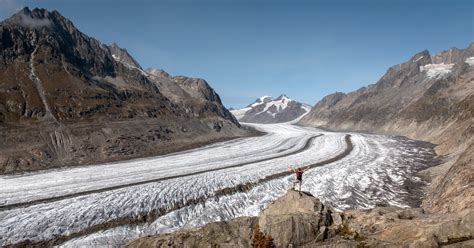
column 295, row 219
column 299, row 219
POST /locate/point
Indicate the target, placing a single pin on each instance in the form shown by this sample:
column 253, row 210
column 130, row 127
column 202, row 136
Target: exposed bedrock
column 298, row 219
column 429, row 98
column 67, row 99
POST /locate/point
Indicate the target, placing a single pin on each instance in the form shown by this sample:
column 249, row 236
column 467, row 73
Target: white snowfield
column 239, row 113
column 436, row 70
column 378, row 171
column 470, row 61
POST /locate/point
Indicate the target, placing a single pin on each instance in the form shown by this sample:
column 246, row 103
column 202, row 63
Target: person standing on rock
column 298, row 176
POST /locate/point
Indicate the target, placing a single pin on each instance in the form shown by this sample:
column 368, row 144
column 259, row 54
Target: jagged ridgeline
column 268, row 110
column 420, row 97
column 428, row 98
column 67, row 99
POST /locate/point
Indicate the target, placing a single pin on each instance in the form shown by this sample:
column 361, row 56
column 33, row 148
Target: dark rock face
column 269, row 110
column 430, row 98
column 67, row 99
column 401, row 96
column 123, row 56
column 55, row 36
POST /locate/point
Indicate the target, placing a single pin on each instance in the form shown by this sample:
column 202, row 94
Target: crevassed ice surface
column 379, row 171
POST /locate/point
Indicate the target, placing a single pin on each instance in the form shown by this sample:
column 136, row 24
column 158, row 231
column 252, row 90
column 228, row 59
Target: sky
column 249, row 48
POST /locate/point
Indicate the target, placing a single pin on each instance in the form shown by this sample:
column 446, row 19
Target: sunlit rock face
column 67, row 99
column 430, row 98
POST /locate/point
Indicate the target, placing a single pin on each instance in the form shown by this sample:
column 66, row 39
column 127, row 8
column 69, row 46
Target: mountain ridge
column 265, row 109
column 430, row 98
column 68, row 99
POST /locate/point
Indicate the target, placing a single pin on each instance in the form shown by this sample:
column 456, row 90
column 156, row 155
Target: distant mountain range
column 268, row 110
column 67, row 99
column 427, row 98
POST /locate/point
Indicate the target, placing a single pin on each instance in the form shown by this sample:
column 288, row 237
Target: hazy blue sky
column 249, row 48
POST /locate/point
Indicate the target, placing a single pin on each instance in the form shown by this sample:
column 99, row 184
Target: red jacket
column 299, row 175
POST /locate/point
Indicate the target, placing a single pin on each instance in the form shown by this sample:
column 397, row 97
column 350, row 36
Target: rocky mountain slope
column 300, row 220
column 67, row 99
column 268, row 110
column 429, row 98
column 194, row 95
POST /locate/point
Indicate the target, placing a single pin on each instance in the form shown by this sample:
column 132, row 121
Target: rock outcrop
column 430, row 98
column 66, row 99
column 298, row 219
column 268, row 110
column 194, row 95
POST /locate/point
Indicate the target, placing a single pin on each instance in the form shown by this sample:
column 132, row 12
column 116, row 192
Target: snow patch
column 39, row 87
column 280, row 105
column 418, row 59
column 261, row 100
column 306, row 107
column 436, row 70
column 239, row 113
column 119, row 59
column 470, row 61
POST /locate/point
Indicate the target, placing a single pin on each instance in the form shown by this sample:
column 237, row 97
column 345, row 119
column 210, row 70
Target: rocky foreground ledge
column 298, row 219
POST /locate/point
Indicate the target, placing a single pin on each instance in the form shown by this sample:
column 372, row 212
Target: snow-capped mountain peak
column 283, row 98
column 268, row 110
column 260, row 100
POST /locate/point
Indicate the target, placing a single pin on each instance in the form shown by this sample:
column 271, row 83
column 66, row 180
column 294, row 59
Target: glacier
column 89, row 206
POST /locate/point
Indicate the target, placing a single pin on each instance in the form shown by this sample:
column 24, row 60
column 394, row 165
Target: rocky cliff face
column 121, row 55
column 269, row 110
column 195, row 95
column 67, row 99
column 415, row 93
column 430, row 98
column 300, row 220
